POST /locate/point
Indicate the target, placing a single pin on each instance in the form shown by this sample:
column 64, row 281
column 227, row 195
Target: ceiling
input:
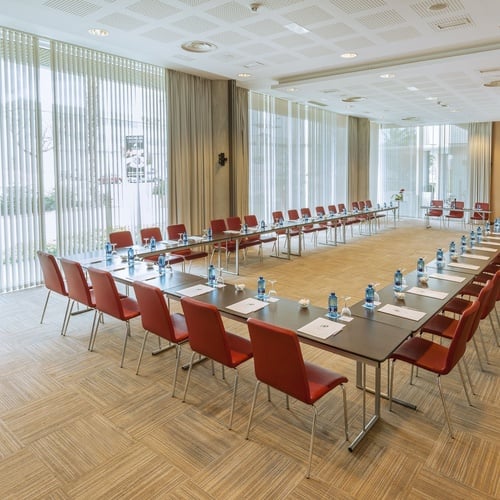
column 440, row 53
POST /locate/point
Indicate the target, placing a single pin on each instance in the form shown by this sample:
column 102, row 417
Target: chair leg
column 45, row 306
column 467, row 372
column 93, row 337
column 233, row 399
column 313, row 428
column 391, row 384
column 346, row 424
column 127, row 334
column 95, row 323
column 188, row 376
column 493, row 326
column 477, row 353
column 178, row 349
column 444, row 407
column 463, row 383
column 67, row 317
column 253, row 407
column 142, row 351
column 479, row 331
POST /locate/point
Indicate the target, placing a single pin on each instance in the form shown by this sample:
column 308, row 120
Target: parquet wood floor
column 73, row 425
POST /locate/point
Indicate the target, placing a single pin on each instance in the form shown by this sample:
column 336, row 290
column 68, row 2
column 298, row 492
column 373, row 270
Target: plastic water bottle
column 184, row 238
column 479, row 234
column 212, row 277
column 263, row 224
column 440, row 258
column 453, row 248
column 487, row 228
column 398, row 281
column 369, row 296
column 209, row 233
column 130, row 257
column 161, row 264
column 245, row 228
column 420, row 266
column 261, row 288
column 472, row 239
column 463, row 244
column 332, row 306
column 109, row 250
column 496, row 226
column 152, row 243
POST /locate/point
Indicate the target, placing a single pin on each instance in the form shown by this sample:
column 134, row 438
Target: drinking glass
column 168, row 267
column 220, row 279
column 146, row 241
column 345, row 310
column 180, row 241
column 114, row 248
column 376, row 296
column 272, row 291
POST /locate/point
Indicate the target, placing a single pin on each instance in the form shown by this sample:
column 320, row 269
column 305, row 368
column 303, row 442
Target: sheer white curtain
column 21, row 202
column 298, row 155
column 480, row 161
column 110, row 140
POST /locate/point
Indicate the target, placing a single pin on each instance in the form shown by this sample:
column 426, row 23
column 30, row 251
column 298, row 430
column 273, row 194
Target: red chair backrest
column 361, row 205
column 492, row 297
column 234, row 223
column 369, row 204
column 320, row 210
column 107, row 298
column 151, row 232
column 78, row 287
column 480, row 205
column 155, row 315
column 458, row 344
column 341, row 207
column 305, row 212
column 293, row 214
column 332, row 209
column 121, row 239
column 437, row 211
column 218, row 226
column 52, row 275
column 206, row 330
column 355, row 205
column 278, row 359
column 251, row 220
column 277, row 215
column 458, row 210
column 174, row 230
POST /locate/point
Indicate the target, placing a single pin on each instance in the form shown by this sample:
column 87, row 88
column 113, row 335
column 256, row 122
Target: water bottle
column 398, row 281
column 212, row 278
column 496, row 226
column 440, row 258
column 245, row 228
column 184, row 238
column 281, row 221
column 479, row 234
column 463, row 244
column 472, row 239
column 369, row 296
column 130, row 257
column 332, row 306
column 152, row 244
column 209, row 233
column 420, row 267
column 109, row 250
column 263, row 224
column 453, row 249
column 161, row 264
column 487, row 228
column 261, row 288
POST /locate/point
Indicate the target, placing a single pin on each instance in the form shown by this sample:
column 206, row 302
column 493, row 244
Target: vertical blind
column 21, row 226
column 298, row 155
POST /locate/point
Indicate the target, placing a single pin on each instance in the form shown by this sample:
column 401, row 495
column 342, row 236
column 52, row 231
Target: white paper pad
column 447, row 277
column 494, row 237
column 247, row 306
column 425, row 292
column 195, row 239
column 463, row 266
column 402, row 312
column 145, row 276
column 231, row 231
column 495, row 243
column 91, row 261
column 485, row 249
column 321, row 328
column 195, row 290
column 478, row 257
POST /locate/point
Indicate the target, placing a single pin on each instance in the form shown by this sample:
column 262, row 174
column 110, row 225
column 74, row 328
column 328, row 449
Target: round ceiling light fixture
column 349, row 55
column 199, row 46
column 494, row 83
column 98, row 32
column 387, row 76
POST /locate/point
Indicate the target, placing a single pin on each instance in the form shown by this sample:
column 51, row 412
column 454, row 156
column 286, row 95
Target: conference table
column 448, row 208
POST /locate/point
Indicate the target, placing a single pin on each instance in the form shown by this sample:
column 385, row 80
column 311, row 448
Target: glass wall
column 298, row 156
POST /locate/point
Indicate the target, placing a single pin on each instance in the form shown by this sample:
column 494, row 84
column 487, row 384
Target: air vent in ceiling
column 453, row 23
column 316, row 103
column 353, row 99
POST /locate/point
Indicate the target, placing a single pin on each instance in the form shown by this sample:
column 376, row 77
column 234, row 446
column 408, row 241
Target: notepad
column 321, row 328
column 426, row 292
column 485, row 249
column 195, row 290
column 247, row 306
column 447, row 277
column 402, row 312
column 495, row 243
column 463, row 266
column 478, row 257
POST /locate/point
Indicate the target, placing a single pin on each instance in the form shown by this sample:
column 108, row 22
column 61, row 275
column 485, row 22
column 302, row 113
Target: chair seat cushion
column 423, row 353
column 321, row 380
column 441, row 325
column 240, row 347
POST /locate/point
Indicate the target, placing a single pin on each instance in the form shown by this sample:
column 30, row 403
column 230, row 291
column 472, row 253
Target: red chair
column 252, row 221
column 436, row 210
column 54, row 282
column 279, row 363
column 456, row 213
column 306, row 213
column 79, row 289
column 109, row 301
column 277, row 218
column 234, row 224
column 378, row 215
column 156, row 318
column 121, row 239
column 437, row 358
column 188, row 254
column 293, row 215
column 219, row 227
column 208, row 337
column 480, row 217
column 154, row 232
column 348, row 221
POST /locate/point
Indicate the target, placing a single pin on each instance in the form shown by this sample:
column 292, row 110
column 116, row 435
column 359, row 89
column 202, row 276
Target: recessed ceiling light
column 387, row 75
column 431, row 98
column 244, row 75
column 291, row 89
column 98, row 32
column 296, row 28
column 354, row 99
column 349, row 55
column 494, row 83
column 199, row 46
column 412, row 89
column 438, row 6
